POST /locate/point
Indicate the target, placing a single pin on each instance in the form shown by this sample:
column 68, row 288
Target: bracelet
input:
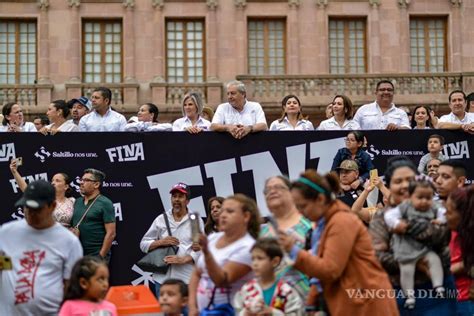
column 251, row 129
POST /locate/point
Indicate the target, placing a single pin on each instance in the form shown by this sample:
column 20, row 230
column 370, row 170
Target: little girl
column 407, row 249
column 266, row 295
column 88, row 286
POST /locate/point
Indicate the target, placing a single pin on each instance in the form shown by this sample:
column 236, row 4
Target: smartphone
column 5, row 263
column 19, row 161
column 374, row 174
column 195, row 229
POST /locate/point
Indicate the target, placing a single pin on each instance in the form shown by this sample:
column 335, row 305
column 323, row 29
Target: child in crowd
column 88, row 286
column 173, row 297
column 265, row 295
column 407, row 249
column 435, row 145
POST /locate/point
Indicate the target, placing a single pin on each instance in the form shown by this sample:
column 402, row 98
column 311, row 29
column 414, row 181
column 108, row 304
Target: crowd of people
column 239, row 116
column 327, row 248
column 349, row 242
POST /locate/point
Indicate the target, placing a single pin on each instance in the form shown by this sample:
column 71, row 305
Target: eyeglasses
column 385, row 90
column 87, row 180
column 267, row 190
column 348, row 140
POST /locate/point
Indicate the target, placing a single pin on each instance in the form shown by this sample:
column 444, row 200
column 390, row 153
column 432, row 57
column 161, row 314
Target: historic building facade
column 156, row 50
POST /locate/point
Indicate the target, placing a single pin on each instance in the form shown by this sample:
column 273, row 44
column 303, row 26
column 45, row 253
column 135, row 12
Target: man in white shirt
column 102, row 118
column 382, row 114
column 238, row 116
column 181, row 264
column 458, row 118
column 42, row 254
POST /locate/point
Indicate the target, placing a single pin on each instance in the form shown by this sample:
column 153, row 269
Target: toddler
column 406, row 248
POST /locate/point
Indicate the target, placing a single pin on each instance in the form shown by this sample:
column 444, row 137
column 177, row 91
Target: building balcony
column 124, row 95
column 315, row 92
column 34, row 98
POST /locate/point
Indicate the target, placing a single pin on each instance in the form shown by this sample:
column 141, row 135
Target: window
column 266, row 47
column 102, row 47
column 17, row 52
column 428, row 44
column 347, row 46
column 185, row 51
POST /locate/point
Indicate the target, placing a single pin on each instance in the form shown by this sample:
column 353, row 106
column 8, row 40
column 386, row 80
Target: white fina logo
column 132, row 152
column 457, row 150
column 7, row 152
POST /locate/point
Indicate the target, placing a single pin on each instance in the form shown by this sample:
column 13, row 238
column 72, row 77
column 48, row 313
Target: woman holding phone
column 64, row 200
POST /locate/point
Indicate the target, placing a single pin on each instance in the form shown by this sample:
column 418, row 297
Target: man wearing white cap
column 42, row 254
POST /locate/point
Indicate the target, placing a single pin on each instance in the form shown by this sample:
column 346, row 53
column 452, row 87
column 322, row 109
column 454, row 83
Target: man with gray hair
column 93, row 220
column 238, row 116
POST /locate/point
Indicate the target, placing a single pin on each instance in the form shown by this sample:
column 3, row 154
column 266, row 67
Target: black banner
column 142, row 167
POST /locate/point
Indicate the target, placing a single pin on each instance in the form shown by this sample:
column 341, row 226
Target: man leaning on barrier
column 382, row 114
column 238, row 116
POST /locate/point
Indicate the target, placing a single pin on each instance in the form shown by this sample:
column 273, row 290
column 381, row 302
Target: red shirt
column 463, row 282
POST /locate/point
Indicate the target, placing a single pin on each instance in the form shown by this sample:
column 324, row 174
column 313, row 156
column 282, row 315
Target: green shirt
column 268, row 293
column 92, row 228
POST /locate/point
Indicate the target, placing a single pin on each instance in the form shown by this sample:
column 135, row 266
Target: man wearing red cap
column 181, row 264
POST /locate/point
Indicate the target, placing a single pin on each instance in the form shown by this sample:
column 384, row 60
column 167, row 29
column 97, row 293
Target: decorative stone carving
column 158, row 79
column 128, row 4
column 43, row 4
column 322, row 3
column 240, row 3
column 456, row 3
column 374, row 3
column 158, row 4
column 211, row 4
column 294, row 3
column 74, row 3
column 403, row 4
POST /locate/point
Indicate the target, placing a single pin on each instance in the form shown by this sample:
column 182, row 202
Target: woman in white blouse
column 147, row 120
column 13, row 120
column 192, row 121
column 57, row 113
column 292, row 118
column 343, row 111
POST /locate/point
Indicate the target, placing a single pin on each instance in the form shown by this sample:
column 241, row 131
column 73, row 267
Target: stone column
column 73, row 85
column 293, row 60
column 240, row 30
column 158, row 84
column 129, row 34
column 322, row 31
column 404, row 36
column 130, row 90
column 43, row 44
column 44, row 86
column 456, row 35
column 213, row 88
column 374, row 55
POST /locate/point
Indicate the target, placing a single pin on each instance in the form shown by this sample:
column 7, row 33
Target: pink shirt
column 86, row 308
